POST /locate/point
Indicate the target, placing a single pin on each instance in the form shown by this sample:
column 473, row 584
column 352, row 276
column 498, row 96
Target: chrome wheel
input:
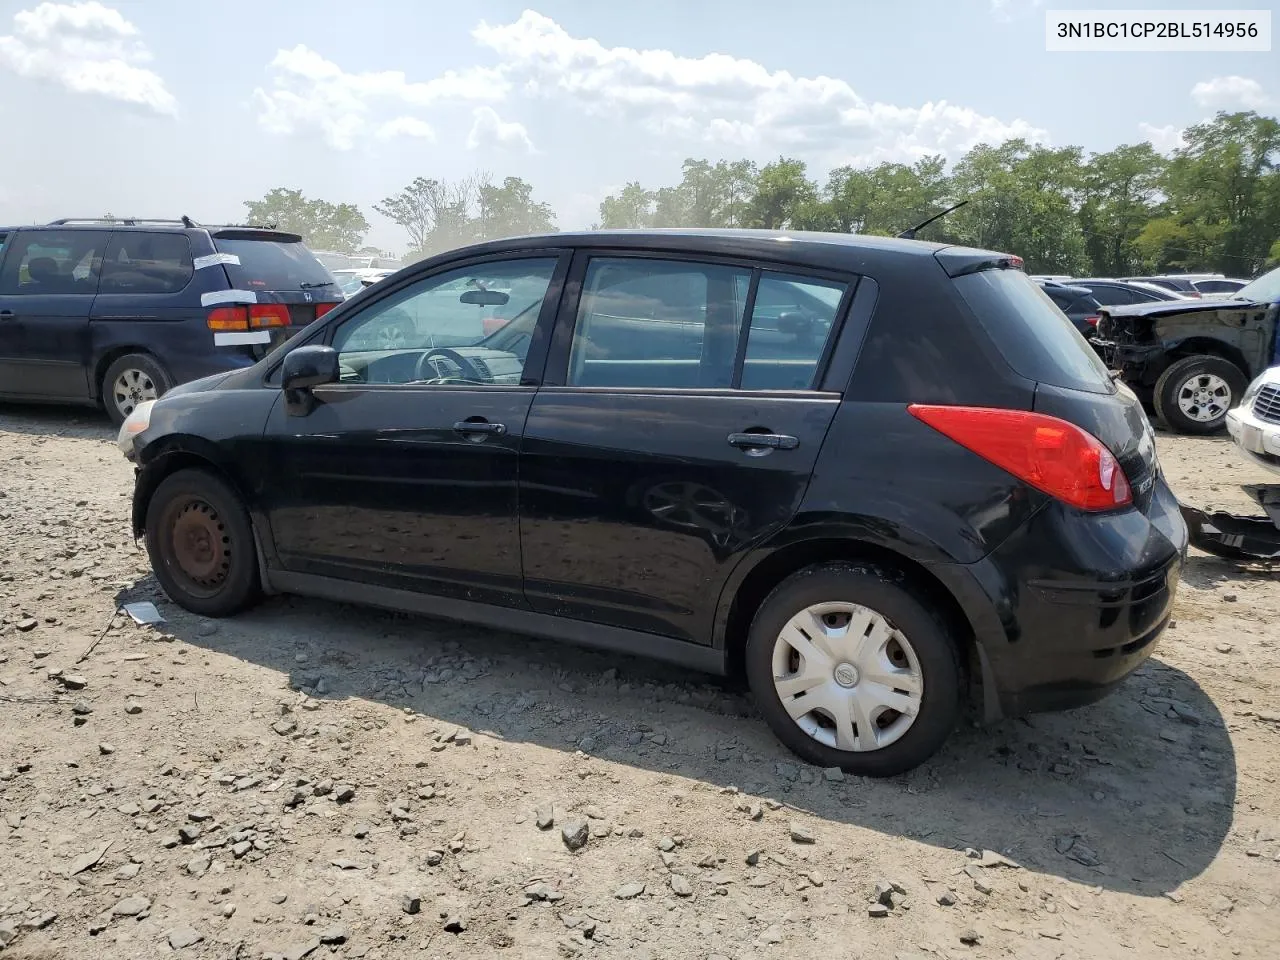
column 390, row 338
column 1204, row 397
column 131, row 388
column 847, row 676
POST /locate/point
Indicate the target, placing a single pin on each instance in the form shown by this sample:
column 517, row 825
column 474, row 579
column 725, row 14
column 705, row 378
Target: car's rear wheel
column 201, row 546
column 853, row 670
column 129, row 381
column 1194, row 394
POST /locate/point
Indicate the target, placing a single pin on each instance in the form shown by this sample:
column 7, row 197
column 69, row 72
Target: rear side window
column 791, row 322
column 657, row 323
column 275, row 265
column 53, row 262
column 667, row 323
column 147, row 263
column 1035, row 337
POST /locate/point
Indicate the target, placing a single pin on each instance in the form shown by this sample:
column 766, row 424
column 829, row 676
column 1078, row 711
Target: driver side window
column 465, row 326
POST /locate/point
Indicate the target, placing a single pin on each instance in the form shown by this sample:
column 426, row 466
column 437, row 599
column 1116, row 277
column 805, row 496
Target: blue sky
column 151, row 107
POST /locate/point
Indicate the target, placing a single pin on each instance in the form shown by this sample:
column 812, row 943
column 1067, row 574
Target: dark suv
column 114, row 312
column 867, row 471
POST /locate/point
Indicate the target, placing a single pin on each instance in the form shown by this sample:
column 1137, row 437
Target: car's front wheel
column 1194, row 394
column 200, row 542
column 852, row 670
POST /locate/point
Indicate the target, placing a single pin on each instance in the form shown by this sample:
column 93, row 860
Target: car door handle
column 480, row 427
column 7, row 314
column 758, row 441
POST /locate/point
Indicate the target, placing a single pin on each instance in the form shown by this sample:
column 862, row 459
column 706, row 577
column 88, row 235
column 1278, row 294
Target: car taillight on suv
column 1052, row 455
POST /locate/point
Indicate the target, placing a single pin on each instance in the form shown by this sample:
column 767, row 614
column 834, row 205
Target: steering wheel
column 468, row 369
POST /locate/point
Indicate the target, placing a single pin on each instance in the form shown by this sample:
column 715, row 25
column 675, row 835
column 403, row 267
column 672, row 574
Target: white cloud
column 489, row 130
column 86, row 48
column 1006, row 10
column 1165, row 139
column 731, row 100
column 406, row 127
column 1230, row 93
column 309, row 94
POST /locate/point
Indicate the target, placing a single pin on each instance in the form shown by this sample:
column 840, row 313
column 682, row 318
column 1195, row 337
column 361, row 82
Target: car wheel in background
column 201, row 545
column 129, row 381
column 1194, row 394
column 852, row 670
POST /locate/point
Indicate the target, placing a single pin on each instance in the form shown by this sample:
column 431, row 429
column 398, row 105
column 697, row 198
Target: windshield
column 1035, row 337
column 275, row 265
column 1266, row 289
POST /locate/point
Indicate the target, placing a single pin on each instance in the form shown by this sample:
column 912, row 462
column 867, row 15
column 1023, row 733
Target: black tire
column 201, row 545
column 1182, row 374
column 889, row 594
column 148, row 378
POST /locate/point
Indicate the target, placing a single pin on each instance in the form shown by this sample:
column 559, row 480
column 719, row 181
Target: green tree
column 630, row 208
column 783, row 193
column 1023, row 200
column 324, row 226
column 1119, row 196
column 1222, row 190
column 509, row 210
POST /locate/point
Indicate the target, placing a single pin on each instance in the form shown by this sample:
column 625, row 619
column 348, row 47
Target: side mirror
column 309, row 366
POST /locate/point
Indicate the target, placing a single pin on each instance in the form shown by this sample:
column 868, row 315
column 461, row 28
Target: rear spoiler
column 241, row 233
column 961, row 261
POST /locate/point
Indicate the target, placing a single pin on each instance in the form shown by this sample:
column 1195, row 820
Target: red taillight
column 1014, row 262
column 262, row 315
column 1092, row 321
column 1051, row 455
column 228, row 318
column 323, row 308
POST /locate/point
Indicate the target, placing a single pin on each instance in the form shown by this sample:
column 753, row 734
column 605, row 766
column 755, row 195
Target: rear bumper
column 1072, row 604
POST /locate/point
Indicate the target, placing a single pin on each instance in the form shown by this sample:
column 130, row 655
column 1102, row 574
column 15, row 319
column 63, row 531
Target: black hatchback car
column 114, row 312
column 876, row 474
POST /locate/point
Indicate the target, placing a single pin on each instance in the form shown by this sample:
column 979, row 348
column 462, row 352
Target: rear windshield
column 275, row 265
column 1036, row 338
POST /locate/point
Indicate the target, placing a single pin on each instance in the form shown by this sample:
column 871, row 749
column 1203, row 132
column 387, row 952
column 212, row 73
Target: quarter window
column 53, row 262
column 791, row 323
column 472, row 325
column 672, row 324
column 147, row 263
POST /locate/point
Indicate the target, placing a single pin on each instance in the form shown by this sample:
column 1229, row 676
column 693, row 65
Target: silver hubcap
column 131, row 388
column 847, row 676
column 1205, row 397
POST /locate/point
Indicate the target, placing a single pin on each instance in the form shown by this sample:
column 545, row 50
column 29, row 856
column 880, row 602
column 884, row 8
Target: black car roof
column 810, row 248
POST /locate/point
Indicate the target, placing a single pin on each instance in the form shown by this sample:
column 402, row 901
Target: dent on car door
column 678, row 427
column 48, row 282
column 403, row 474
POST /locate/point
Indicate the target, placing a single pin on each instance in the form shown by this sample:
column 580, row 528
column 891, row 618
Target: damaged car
column 1191, row 360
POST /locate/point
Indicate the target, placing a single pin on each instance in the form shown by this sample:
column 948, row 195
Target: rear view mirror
column 485, row 298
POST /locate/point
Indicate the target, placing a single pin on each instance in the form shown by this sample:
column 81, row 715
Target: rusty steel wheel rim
column 200, row 547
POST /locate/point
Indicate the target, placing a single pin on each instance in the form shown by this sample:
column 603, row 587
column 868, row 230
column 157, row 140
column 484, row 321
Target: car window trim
column 557, row 363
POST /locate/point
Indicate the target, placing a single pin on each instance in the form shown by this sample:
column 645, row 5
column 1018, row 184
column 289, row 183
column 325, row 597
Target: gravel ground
column 312, row 779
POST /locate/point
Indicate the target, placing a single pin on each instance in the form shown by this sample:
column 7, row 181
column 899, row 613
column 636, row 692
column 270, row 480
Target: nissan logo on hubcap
column 846, row 675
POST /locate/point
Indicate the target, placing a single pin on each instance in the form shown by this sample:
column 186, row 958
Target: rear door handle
column 758, row 441
column 480, row 427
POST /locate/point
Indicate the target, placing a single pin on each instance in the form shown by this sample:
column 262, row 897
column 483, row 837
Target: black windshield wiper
column 308, row 285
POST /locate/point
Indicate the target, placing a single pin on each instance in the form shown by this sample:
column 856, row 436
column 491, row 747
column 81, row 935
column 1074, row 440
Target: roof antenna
column 187, row 222
column 910, row 233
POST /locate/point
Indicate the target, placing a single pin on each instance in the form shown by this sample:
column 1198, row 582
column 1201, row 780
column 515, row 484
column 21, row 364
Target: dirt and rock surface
column 317, row 780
